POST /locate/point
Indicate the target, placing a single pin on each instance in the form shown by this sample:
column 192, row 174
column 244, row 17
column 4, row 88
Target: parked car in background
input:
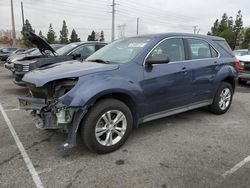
column 77, row 50
column 244, row 69
column 128, row 82
column 241, row 52
column 28, row 55
column 6, row 52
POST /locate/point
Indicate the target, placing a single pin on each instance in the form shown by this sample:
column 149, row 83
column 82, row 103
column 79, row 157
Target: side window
column 173, row 48
column 200, row 49
column 98, row 47
column 214, row 52
column 85, row 50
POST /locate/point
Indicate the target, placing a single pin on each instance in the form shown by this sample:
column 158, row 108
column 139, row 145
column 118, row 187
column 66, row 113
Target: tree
column 64, row 34
column 51, row 35
column 25, row 32
column 74, row 37
column 92, row 37
column 41, row 35
column 215, row 28
column 229, row 29
column 102, row 39
column 246, row 42
column 238, row 26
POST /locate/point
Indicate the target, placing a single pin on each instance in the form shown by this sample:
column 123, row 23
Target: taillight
column 239, row 65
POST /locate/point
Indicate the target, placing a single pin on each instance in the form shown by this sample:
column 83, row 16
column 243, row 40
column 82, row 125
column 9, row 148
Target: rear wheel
column 107, row 125
column 242, row 82
column 223, row 99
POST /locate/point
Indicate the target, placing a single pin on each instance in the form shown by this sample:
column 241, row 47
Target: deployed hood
column 70, row 69
column 245, row 58
column 41, row 44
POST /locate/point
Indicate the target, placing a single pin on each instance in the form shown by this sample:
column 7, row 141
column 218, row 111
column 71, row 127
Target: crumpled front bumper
column 48, row 115
column 45, row 115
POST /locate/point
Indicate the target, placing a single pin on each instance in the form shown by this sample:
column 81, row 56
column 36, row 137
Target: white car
column 244, row 69
column 240, row 52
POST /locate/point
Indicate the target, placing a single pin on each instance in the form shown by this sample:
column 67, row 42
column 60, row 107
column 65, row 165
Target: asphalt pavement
column 192, row 149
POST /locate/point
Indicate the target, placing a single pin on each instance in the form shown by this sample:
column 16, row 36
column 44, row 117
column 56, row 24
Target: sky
column 155, row 16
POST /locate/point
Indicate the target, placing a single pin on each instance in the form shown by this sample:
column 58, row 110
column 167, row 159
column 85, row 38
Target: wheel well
column 125, row 99
column 231, row 81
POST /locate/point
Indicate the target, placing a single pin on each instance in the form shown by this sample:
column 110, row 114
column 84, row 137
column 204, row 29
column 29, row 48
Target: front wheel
column 107, row 125
column 223, row 99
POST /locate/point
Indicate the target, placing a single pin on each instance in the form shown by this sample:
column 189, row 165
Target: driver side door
column 167, row 86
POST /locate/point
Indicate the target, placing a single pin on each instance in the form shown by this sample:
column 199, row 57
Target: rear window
column 200, row 49
column 224, row 45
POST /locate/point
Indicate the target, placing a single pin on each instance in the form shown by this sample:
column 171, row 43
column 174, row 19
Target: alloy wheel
column 111, row 127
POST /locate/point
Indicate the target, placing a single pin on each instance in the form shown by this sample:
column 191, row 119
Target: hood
column 244, row 58
column 41, row 44
column 69, row 69
column 16, row 57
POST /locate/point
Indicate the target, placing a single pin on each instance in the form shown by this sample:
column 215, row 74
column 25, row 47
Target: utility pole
column 13, row 23
column 22, row 12
column 137, row 26
column 195, row 29
column 121, row 29
column 113, row 20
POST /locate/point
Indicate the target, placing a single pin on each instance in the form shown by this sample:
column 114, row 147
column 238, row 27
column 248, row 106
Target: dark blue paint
column 152, row 88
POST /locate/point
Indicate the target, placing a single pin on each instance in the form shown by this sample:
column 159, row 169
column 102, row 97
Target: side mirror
column 157, row 59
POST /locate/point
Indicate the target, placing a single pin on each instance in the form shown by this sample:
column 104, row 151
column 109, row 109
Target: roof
column 88, row 42
column 181, row 34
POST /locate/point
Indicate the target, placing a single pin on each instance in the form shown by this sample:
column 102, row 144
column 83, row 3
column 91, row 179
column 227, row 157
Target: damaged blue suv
column 128, row 82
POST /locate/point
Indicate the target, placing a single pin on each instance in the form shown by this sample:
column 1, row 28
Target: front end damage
column 48, row 112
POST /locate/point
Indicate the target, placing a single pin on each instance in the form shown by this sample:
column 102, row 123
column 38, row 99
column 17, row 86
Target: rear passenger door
column 203, row 60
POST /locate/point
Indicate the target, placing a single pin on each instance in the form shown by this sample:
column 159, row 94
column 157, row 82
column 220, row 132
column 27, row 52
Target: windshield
column 36, row 52
column 240, row 53
column 121, row 51
column 65, row 49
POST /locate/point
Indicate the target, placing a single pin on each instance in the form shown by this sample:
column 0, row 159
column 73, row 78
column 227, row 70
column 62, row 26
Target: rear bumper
column 244, row 75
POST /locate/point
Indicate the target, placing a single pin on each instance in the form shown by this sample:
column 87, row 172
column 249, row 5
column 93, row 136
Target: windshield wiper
column 99, row 61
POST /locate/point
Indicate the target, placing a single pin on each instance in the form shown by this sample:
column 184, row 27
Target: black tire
column 88, row 126
column 215, row 107
column 242, row 82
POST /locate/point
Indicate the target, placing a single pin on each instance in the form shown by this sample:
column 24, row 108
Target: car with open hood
column 128, row 82
column 29, row 55
column 76, row 50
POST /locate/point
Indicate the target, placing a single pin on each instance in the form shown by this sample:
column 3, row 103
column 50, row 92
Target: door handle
column 184, row 68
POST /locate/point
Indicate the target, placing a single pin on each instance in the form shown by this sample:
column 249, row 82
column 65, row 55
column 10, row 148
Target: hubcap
column 110, row 127
column 225, row 99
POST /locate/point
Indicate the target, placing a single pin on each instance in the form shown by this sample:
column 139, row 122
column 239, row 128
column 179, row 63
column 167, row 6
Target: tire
column 95, row 130
column 242, row 82
column 219, row 107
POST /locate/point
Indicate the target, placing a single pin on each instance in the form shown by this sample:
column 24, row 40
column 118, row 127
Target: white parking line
column 237, row 166
column 11, row 110
column 23, row 152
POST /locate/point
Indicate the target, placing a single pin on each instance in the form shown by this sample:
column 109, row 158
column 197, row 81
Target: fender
column 91, row 87
column 226, row 71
